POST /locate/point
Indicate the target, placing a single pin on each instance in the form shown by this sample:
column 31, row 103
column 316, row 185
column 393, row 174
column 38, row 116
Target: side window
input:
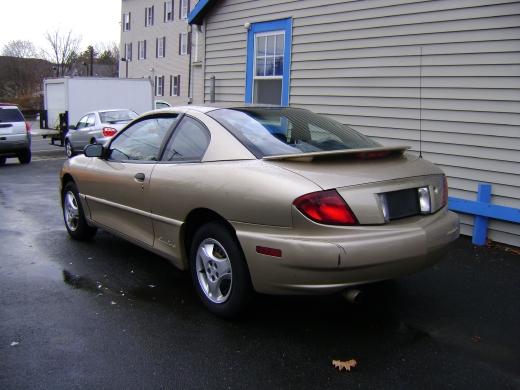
column 91, row 120
column 188, row 143
column 82, row 122
column 142, row 141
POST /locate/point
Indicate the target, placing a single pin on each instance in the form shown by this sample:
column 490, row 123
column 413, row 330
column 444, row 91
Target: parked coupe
column 96, row 127
column 266, row 199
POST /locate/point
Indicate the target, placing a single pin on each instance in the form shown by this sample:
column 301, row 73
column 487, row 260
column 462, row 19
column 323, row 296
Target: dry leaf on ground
column 346, row 365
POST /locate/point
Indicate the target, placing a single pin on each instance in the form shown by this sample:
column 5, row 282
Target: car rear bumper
column 326, row 263
column 11, row 144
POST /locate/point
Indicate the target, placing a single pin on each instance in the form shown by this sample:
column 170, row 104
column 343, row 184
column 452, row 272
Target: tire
column 68, row 149
column 74, row 216
column 3, row 160
column 221, row 277
column 24, row 156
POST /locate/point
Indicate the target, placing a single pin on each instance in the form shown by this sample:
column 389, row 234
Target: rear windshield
column 10, row 115
column 117, row 116
column 273, row 131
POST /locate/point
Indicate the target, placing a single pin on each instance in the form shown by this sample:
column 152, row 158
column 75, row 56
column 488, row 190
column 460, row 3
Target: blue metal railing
column 483, row 210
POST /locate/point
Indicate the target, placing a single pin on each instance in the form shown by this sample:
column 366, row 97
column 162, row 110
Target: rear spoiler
column 362, row 154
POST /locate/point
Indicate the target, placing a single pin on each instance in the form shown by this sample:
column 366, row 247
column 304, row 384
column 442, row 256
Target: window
column 160, row 47
column 128, row 51
column 148, row 16
column 184, row 43
column 82, row 122
column 168, row 11
column 116, row 116
column 268, row 62
column 159, row 85
column 142, row 140
column 126, row 21
column 91, row 120
column 141, row 48
column 188, row 143
column 184, row 7
column 274, row 130
column 175, row 85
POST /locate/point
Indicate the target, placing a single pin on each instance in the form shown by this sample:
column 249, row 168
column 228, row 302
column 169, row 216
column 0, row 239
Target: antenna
column 420, row 101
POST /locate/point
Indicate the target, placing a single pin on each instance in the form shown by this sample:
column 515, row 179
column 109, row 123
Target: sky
column 95, row 21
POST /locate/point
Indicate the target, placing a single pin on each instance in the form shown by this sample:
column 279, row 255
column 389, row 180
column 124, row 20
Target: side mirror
column 94, row 150
column 72, row 127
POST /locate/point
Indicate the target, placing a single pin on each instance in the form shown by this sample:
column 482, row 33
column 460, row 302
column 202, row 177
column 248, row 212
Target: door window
column 142, row 141
column 188, row 143
column 91, row 120
column 82, row 122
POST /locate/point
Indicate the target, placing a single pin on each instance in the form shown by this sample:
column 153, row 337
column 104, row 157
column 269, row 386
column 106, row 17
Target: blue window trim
column 272, row 25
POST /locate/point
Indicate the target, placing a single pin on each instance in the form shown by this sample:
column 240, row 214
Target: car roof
column 206, row 109
column 9, row 106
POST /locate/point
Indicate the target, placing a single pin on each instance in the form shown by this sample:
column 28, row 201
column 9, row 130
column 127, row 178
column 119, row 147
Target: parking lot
column 111, row 315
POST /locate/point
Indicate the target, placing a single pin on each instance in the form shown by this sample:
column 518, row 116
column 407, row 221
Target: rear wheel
column 219, row 270
column 74, row 216
column 68, row 149
column 24, row 156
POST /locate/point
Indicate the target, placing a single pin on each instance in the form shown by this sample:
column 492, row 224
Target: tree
column 61, row 48
column 19, row 49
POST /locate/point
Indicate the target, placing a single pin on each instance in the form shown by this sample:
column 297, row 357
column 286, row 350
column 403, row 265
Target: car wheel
column 3, row 160
column 219, row 270
column 73, row 214
column 68, row 149
column 24, row 156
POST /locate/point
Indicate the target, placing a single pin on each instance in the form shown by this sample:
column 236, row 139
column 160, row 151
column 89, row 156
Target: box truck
column 67, row 99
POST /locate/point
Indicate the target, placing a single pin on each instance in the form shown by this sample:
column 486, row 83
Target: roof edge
column 199, row 11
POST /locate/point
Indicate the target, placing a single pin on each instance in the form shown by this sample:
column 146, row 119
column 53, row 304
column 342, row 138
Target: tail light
column 109, row 131
column 326, row 207
column 27, row 127
column 444, row 192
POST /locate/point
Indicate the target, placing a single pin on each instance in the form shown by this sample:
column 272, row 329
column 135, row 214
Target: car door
column 76, row 134
column 173, row 182
column 117, row 191
column 85, row 134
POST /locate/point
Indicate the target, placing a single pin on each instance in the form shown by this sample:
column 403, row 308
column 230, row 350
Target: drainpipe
column 190, row 95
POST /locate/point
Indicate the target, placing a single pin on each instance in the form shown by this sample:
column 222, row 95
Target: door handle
column 139, row 177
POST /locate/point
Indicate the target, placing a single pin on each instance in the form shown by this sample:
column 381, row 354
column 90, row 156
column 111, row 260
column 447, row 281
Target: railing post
column 480, row 224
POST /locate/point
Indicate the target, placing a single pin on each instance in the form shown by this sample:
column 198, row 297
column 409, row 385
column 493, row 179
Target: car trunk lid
column 378, row 187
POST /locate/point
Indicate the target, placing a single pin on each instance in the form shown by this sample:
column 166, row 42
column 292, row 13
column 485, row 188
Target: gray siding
column 357, row 61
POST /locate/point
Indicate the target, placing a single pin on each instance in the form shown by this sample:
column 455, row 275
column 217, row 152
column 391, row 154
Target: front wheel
column 219, row 271
column 74, row 216
column 68, row 149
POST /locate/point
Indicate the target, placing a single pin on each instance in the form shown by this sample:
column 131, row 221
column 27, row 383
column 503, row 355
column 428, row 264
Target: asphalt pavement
column 107, row 314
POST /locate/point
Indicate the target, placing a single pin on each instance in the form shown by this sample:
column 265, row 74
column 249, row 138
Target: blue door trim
column 272, row 25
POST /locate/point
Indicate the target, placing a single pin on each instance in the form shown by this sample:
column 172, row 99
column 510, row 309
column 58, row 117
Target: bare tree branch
column 20, row 49
column 61, row 48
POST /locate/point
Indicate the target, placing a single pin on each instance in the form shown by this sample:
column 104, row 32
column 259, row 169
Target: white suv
column 15, row 135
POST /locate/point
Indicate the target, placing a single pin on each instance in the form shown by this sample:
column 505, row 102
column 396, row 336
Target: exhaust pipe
column 352, row 295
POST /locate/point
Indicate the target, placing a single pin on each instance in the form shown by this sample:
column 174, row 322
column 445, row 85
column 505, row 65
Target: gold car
column 267, row 199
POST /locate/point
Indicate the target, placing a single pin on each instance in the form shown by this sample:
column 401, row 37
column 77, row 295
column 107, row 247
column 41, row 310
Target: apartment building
column 156, row 43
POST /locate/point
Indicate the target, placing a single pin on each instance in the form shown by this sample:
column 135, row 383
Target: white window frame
column 128, row 51
column 148, row 18
column 159, row 86
column 184, row 44
column 161, row 46
column 126, row 22
column 168, row 10
column 185, row 5
column 266, row 34
column 175, row 90
column 141, row 50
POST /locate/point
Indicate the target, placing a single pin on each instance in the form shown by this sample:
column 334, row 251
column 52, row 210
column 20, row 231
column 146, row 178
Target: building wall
column 358, row 62
column 172, row 63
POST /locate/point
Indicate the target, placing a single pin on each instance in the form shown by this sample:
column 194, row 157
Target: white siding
column 358, row 62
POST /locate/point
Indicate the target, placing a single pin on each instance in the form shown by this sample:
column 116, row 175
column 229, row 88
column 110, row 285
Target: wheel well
column 195, row 219
column 93, row 141
column 64, row 180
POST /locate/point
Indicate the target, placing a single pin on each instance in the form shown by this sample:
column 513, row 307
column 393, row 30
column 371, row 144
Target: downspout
column 190, row 92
